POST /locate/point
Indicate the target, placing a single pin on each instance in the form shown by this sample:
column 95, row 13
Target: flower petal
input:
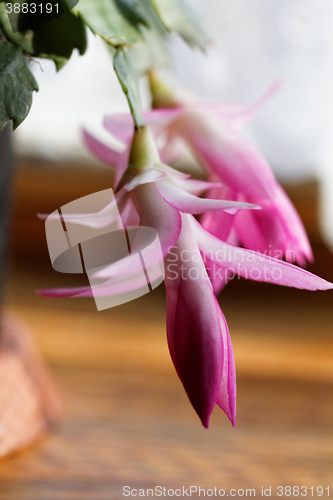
column 197, row 187
column 107, row 155
column 187, row 203
column 219, row 223
column 111, row 287
column 221, row 149
column 171, row 147
column 129, row 214
column 277, row 229
column 101, row 150
column 227, row 394
column 83, row 291
column 241, row 114
column 220, row 276
column 151, row 175
column 158, row 119
column 293, row 226
column 193, row 326
column 121, row 126
column 172, row 172
column 105, row 217
column 264, row 234
column 164, row 219
column 253, row 265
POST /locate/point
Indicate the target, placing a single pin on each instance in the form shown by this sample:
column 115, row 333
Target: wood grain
column 128, row 420
column 141, row 431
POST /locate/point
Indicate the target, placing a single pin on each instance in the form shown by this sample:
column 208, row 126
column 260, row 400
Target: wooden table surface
column 128, row 420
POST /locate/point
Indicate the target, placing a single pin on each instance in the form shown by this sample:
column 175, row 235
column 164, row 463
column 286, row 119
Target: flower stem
column 129, row 83
column 143, row 152
column 143, row 155
column 162, row 94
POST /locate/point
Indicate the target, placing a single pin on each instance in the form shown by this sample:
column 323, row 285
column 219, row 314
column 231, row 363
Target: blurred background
column 127, row 418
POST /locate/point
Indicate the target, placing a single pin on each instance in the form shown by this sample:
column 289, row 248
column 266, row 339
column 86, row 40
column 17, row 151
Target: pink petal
column 193, row 326
column 240, row 114
column 129, row 214
column 138, row 260
column 83, row 291
column 122, row 285
column 187, row 203
column 222, row 150
column 107, row 155
column 121, row 126
column 276, row 230
column 121, row 169
column 227, row 394
column 293, row 225
column 253, row 265
column 219, row 223
column 103, row 218
column 45, row 216
column 164, row 219
column 197, row 187
column 264, row 234
column 101, row 150
column 172, row 147
column 158, row 119
column 148, row 176
column 219, row 276
column 176, row 175
column 111, row 287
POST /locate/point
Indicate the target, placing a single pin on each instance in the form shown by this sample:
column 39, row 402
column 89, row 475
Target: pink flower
column 212, row 133
column 197, row 332
column 198, row 335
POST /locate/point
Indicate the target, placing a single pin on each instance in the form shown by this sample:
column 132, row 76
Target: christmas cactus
column 245, row 223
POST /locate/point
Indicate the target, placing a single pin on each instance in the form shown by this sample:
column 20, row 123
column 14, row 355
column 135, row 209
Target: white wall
column 79, row 95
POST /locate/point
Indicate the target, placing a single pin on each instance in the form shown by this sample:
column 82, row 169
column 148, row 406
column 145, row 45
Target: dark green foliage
column 16, row 85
